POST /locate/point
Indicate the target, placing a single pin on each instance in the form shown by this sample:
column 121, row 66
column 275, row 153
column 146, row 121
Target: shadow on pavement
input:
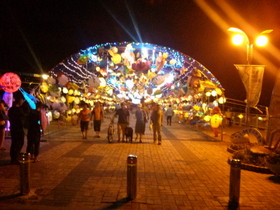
column 117, row 204
column 8, row 197
column 275, row 179
column 5, row 162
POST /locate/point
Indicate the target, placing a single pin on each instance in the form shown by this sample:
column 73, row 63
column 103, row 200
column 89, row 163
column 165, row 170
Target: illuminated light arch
column 162, row 68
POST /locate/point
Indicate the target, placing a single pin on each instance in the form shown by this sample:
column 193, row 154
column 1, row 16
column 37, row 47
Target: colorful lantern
column 10, row 82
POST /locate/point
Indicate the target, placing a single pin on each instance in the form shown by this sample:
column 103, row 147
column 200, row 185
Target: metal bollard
column 131, row 176
column 234, row 186
column 24, row 164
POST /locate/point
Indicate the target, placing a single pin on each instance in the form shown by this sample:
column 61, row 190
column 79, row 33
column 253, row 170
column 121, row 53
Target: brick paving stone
column 188, row 171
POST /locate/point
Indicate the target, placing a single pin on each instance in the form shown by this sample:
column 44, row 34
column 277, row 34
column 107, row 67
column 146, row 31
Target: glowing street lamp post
column 239, row 38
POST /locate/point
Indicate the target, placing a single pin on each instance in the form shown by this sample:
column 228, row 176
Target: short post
column 24, row 164
column 234, row 186
column 131, row 176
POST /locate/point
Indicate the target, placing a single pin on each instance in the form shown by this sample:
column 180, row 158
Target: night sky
column 37, row 35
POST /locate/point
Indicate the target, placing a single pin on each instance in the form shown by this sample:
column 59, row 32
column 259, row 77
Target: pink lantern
column 10, row 82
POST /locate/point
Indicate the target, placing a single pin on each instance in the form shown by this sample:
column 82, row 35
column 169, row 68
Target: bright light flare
column 261, row 41
column 237, row 39
column 45, row 76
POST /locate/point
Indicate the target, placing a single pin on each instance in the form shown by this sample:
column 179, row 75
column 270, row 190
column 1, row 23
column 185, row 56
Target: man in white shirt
column 169, row 113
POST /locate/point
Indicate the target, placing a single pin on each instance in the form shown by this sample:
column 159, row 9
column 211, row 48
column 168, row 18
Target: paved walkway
column 188, row 171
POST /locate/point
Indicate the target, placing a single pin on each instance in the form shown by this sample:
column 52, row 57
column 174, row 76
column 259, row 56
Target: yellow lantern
column 214, row 93
column 195, row 107
column 70, row 99
column 207, row 118
column 102, row 82
column 77, row 100
column 222, row 100
column 77, row 93
column 172, row 61
column 216, row 121
column 70, row 92
column 65, row 90
column 165, row 55
column 240, row 116
column 63, row 99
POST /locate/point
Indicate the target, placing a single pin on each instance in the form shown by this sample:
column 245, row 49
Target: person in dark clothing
column 123, row 121
column 3, row 123
column 141, row 119
column 156, row 120
column 34, row 132
column 16, row 118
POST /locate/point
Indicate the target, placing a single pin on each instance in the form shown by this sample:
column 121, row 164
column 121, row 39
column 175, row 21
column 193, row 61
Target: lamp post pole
column 249, row 52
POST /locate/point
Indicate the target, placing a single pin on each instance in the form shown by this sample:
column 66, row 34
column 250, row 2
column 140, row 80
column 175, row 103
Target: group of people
column 21, row 121
column 142, row 116
column 86, row 115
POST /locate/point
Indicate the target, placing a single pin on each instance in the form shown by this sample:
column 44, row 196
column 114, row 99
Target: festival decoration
column 83, row 59
column 94, row 82
column 10, row 82
column 216, row 121
column 8, row 98
column 44, row 87
column 31, row 100
column 62, row 80
column 115, row 57
column 134, row 71
column 51, row 81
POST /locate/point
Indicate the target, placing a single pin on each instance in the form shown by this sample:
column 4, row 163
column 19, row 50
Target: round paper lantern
column 149, row 90
column 63, row 99
column 51, row 81
column 70, row 92
column 172, row 61
column 216, row 121
column 65, row 90
column 56, row 114
column 10, row 82
column 74, row 120
column 94, row 82
column 102, row 82
column 158, row 80
column 44, row 87
column 63, row 80
column 77, row 100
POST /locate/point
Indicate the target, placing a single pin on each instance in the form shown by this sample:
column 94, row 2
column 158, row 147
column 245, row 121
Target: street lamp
column 241, row 37
column 252, row 84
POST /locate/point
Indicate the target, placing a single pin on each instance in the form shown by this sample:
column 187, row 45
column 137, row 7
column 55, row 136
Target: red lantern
column 10, row 82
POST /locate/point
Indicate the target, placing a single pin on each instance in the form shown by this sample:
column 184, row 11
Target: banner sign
column 252, row 78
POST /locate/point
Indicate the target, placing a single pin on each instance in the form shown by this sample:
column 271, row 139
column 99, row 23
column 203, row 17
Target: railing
column 258, row 116
column 255, row 120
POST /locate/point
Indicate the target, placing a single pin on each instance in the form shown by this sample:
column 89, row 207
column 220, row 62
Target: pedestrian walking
column 34, row 132
column 97, row 116
column 84, row 118
column 169, row 114
column 228, row 115
column 16, row 118
column 123, row 121
column 141, row 120
column 157, row 120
